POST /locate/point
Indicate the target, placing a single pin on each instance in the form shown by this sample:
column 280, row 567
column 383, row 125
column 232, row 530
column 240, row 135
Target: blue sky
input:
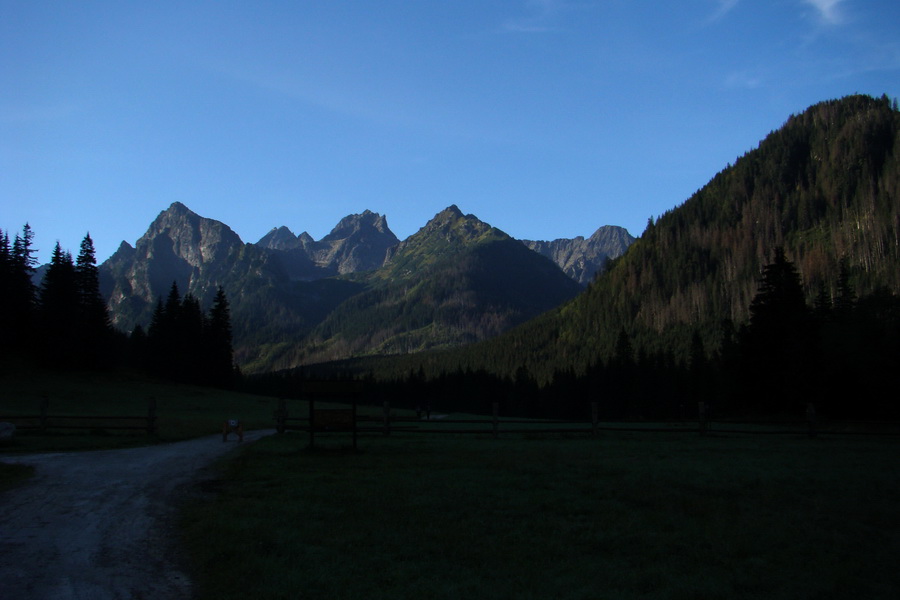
column 545, row 118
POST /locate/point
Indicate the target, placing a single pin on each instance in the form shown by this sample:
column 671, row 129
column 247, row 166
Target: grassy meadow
column 627, row 515
column 183, row 411
column 624, row 515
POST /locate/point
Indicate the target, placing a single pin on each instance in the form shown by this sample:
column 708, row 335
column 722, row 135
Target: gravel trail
column 98, row 525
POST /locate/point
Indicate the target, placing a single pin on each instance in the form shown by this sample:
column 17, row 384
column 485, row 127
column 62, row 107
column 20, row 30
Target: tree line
column 63, row 323
column 184, row 344
column 839, row 353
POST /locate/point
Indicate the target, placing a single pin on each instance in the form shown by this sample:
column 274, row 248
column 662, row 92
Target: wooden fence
column 44, row 420
column 388, row 423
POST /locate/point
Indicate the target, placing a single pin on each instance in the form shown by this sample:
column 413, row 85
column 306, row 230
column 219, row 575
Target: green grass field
column 183, row 411
column 622, row 516
column 625, row 515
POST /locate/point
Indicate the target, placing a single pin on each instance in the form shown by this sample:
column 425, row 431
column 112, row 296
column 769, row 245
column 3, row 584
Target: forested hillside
column 671, row 321
column 825, row 187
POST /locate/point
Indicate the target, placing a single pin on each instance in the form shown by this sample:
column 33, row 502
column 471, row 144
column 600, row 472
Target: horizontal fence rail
column 389, row 423
column 44, row 421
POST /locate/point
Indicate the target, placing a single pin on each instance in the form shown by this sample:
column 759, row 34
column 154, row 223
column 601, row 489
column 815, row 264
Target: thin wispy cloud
column 723, row 7
column 541, row 17
column 828, row 10
column 743, row 80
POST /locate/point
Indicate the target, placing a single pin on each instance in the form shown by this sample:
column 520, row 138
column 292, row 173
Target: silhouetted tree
column 779, row 304
column 17, row 292
column 162, row 334
column 778, row 344
column 95, row 330
column 58, row 310
column 186, row 345
column 217, row 341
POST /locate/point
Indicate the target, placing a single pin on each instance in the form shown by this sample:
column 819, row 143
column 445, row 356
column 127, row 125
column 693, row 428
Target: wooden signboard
column 333, row 419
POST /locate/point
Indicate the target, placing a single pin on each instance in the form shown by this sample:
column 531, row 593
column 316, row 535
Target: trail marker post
column 329, row 420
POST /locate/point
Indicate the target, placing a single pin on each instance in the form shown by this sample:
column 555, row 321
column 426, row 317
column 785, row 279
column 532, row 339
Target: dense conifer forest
column 64, row 323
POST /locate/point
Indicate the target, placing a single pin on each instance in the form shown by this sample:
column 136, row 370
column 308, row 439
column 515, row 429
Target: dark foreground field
column 622, row 516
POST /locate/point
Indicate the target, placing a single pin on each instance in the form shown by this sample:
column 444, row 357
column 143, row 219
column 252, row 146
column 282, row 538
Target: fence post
column 594, row 419
column 704, row 424
column 45, row 404
column 496, row 410
column 151, row 416
column 281, row 415
column 312, row 421
column 387, row 418
column 811, row 419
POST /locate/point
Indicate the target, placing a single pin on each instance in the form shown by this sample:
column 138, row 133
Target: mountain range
column 357, row 291
column 824, row 188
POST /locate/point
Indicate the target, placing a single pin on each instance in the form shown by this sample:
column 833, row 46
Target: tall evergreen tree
column 7, row 310
column 162, row 334
column 94, row 323
column 186, row 345
column 218, row 349
column 188, row 349
column 18, row 297
column 58, row 310
column 780, row 303
column 778, row 345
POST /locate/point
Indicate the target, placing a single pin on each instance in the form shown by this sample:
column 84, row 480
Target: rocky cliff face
column 281, row 238
column 201, row 254
column 581, row 258
column 179, row 246
column 358, row 243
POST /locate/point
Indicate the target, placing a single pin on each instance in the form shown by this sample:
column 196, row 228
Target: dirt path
column 97, row 525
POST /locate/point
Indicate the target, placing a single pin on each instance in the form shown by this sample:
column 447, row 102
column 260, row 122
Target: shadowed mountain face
column 358, row 290
column 457, row 280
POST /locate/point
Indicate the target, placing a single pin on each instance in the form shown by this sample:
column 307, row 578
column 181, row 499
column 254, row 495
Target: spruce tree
column 94, row 324
column 58, row 310
column 780, row 303
column 778, row 344
column 218, row 349
column 188, row 350
column 18, row 297
column 162, row 335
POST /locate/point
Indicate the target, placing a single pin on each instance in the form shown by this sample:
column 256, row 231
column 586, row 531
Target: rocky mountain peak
column 280, row 238
column 187, row 236
column 448, row 232
column 357, row 243
column 354, row 224
column 581, row 258
column 454, row 226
